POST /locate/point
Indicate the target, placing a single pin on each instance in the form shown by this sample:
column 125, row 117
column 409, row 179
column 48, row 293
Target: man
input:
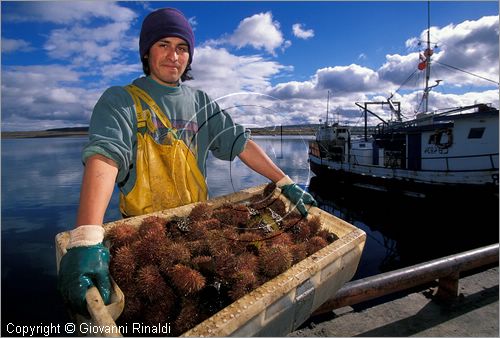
column 151, row 138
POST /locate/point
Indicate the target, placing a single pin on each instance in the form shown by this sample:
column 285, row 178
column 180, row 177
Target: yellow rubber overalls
column 167, row 174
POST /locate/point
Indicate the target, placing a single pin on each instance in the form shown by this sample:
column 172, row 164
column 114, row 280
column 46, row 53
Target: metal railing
column 446, row 270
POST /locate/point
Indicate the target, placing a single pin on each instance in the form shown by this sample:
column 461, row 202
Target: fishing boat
column 455, row 149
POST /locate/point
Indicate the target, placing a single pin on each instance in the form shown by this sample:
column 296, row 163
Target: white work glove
column 85, row 264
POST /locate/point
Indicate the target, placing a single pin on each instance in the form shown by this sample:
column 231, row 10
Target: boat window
column 362, row 145
column 476, row 132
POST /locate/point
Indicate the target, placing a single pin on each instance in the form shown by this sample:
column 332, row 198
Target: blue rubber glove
column 85, row 264
column 296, row 195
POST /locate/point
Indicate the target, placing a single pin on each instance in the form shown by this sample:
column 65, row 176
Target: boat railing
column 445, row 270
column 397, row 159
column 447, row 159
column 427, row 118
column 480, row 107
column 450, row 163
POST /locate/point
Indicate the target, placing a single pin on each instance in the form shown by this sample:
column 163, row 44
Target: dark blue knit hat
column 162, row 23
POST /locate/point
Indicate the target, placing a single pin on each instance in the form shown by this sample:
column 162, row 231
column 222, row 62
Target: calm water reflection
column 404, row 230
column 40, row 189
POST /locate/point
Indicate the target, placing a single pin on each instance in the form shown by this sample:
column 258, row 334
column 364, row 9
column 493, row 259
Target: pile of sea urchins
column 183, row 270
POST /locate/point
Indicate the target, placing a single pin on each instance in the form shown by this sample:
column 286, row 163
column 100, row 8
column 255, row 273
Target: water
column 404, row 230
column 40, row 190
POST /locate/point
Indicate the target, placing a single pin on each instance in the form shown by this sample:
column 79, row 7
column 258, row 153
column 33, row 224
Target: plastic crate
column 282, row 304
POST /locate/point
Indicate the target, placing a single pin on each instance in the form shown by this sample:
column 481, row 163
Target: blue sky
column 253, row 57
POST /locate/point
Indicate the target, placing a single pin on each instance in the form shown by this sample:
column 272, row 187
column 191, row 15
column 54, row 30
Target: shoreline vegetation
column 83, row 131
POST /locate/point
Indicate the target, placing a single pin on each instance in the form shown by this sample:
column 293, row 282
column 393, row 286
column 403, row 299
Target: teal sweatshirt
column 200, row 122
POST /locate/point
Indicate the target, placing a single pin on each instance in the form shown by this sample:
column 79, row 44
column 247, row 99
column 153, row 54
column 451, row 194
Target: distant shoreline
column 41, row 134
column 54, row 133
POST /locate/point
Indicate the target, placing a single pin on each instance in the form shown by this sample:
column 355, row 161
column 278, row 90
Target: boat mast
column 327, row 101
column 428, row 54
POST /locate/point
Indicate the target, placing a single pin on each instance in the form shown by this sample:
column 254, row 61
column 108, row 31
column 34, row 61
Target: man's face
column 168, row 59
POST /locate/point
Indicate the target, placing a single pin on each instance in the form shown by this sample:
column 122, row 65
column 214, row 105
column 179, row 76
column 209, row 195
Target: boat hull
column 385, row 179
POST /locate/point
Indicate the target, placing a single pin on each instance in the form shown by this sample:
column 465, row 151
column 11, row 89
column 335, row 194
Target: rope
column 455, row 68
column 408, row 79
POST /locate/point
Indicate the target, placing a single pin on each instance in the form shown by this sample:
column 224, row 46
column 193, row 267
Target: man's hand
column 85, row 264
column 296, row 194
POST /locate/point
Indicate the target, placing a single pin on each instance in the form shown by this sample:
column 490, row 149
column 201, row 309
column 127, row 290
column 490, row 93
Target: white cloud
column 412, row 43
column 294, row 89
column 193, row 22
column 439, row 101
column 285, row 45
column 258, row 31
column 305, row 101
column 16, row 45
column 398, row 68
column 91, row 39
column 68, row 12
column 119, row 69
column 231, row 73
column 464, row 50
column 238, row 83
column 86, row 32
column 17, row 76
column 471, row 46
column 350, row 79
column 301, row 33
column 87, row 45
column 341, row 80
column 41, row 97
column 285, row 103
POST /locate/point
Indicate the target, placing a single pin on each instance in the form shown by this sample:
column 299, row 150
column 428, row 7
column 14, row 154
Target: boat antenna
column 428, row 53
